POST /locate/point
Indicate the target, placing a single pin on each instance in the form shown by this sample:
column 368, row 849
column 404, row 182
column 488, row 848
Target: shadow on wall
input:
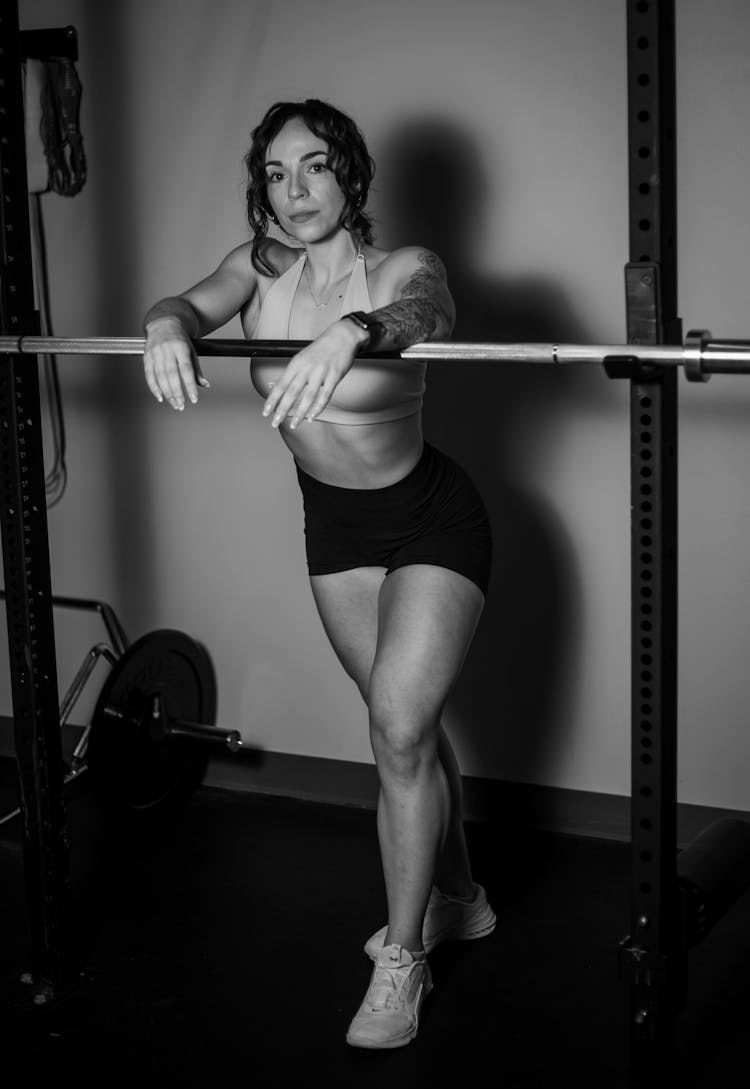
column 505, row 704
column 118, row 393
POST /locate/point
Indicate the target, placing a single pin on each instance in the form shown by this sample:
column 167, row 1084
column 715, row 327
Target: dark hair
column 348, row 157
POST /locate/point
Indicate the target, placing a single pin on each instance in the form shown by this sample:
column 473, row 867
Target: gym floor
column 224, row 941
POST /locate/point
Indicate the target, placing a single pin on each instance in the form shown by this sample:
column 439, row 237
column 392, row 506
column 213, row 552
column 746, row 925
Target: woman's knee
column 403, row 732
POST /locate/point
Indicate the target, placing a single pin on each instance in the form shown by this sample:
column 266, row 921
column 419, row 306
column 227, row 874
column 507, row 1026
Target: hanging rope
column 55, row 90
column 60, row 131
column 57, row 476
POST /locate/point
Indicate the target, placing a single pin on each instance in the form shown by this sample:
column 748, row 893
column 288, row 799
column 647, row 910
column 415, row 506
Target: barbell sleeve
column 198, row 731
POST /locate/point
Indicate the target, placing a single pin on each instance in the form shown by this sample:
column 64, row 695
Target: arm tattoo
column 424, row 310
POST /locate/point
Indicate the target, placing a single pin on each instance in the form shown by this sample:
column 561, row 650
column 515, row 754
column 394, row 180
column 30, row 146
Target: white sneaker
column 389, row 1014
column 447, row 918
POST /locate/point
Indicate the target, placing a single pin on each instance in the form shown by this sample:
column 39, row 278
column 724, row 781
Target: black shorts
column 433, row 515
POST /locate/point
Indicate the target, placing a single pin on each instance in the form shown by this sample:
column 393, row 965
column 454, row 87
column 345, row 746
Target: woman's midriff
column 356, row 455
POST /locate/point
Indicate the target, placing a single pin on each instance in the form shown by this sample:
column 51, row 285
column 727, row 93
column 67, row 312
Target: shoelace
column 386, row 989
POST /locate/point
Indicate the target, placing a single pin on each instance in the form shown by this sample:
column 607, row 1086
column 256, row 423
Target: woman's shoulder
column 392, row 268
column 402, row 259
column 278, row 256
column 273, row 253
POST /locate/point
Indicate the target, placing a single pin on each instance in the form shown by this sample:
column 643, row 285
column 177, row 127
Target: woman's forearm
column 409, row 321
column 176, row 309
column 425, row 310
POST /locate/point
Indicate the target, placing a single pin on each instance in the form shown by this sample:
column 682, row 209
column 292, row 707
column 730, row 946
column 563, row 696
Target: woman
column 398, row 540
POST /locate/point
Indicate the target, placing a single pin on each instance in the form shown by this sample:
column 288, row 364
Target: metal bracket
column 46, row 44
column 641, row 966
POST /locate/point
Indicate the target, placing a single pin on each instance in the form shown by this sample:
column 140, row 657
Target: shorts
column 434, row 515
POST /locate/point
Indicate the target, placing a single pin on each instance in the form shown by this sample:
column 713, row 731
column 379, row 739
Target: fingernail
column 193, row 398
column 266, row 411
column 276, row 421
column 205, row 382
column 294, row 422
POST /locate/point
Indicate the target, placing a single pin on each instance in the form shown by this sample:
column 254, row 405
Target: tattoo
column 423, row 281
column 424, row 310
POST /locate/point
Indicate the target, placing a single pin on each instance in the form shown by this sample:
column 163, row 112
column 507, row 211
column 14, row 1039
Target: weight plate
column 131, row 769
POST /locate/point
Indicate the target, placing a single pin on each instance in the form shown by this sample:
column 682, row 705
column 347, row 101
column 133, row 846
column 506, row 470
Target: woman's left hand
column 311, row 376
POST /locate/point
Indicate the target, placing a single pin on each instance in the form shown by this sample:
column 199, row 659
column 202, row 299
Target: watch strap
column 364, row 321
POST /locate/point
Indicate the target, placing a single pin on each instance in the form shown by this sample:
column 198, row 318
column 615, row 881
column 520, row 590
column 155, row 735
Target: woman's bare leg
column 352, row 612
column 427, row 618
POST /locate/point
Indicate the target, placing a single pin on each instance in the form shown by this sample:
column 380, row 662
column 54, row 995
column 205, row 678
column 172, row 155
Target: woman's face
column 302, row 189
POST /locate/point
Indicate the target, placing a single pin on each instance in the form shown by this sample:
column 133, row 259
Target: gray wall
column 500, row 132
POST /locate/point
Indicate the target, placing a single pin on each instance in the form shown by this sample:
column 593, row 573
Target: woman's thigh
column 408, row 633
column 347, row 602
column 427, row 616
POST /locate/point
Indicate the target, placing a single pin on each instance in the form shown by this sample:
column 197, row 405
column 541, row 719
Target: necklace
column 323, row 305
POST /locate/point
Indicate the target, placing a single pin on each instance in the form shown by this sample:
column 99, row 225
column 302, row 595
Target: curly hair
column 348, row 157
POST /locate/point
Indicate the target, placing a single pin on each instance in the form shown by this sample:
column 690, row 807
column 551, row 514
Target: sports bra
column 371, row 391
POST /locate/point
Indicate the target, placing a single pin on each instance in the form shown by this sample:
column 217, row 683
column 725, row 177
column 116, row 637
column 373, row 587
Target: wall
column 500, row 133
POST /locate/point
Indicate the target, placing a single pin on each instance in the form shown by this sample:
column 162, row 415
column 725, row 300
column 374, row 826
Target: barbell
column 700, row 355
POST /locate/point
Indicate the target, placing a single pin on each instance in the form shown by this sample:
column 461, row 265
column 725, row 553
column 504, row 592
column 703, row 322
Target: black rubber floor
column 223, row 945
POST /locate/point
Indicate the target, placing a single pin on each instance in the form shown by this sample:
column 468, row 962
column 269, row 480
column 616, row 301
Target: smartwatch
column 365, row 321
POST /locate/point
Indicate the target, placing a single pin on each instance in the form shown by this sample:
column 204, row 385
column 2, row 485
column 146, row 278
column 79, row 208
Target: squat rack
column 674, row 900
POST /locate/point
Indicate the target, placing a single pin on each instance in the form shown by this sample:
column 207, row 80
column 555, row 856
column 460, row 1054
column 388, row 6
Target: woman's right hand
column 171, row 364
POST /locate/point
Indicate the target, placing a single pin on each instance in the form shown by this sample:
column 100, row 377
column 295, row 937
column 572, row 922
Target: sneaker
column 447, row 918
column 389, row 1014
